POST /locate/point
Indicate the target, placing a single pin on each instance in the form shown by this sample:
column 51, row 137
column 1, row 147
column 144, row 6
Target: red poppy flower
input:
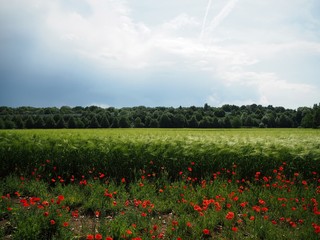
column 175, row 223
column 235, row 229
column 60, row 197
column 52, row 222
column 98, row 236
column 316, row 227
column 243, row 204
column 90, row 237
column 206, row 231
column 97, row 214
column 230, row 215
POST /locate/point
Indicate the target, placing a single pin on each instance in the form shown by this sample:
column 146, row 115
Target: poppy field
column 160, row 184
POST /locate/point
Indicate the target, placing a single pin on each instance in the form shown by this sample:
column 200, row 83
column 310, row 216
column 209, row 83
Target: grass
column 121, row 152
column 160, row 184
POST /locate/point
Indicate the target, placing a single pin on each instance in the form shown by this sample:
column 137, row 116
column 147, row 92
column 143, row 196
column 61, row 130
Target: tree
column 284, row 121
column 215, row 123
column 49, row 122
column 39, row 122
column 94, row 123
column 138, row 123
column 19, row 122
column 227, row 122
column 104, row 123
column 206, row 122
column 248, row 122
column 72, row 122
column 316, row 116
column 61, row 123
column 65, row 110
column 165, row 121
column 2, row 125
column 154, row 123
column 219, row 113
column 268, row 120
column 193, row 123
column 307, row 121
column 179, row 120
column 236, row 122
column 115, row 123
column 9, row 124
column 29, row 122
column 124, row 122
column 206, row 107
column 79, row 123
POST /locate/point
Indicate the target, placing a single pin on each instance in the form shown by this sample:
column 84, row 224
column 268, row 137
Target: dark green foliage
column 39, row 123
column 165, row 121
column 50, row 123
column 19, row 122
column 115, row 123
column 30, row 122
column 9, row 124
column 284, row 121
column 72, row 123
column 206, row 122
column 104, row 122
column 227, row 116
column 154, row 123
column 179, row 121
column 193, row 122
column 2, row 125
column 61, row 123
column 138, row 123
column 236, row 122
column 316, row 116
column 124, row 122
column 94, row 123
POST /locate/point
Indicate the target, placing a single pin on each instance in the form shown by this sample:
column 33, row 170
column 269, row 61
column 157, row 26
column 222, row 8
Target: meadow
column 160, row 184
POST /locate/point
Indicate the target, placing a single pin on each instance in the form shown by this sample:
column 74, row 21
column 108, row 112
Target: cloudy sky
column 159, row 53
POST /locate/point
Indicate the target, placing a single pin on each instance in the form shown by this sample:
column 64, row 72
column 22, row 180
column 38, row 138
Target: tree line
column 226, row 116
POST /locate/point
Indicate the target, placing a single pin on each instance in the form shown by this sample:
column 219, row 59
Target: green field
column 160, row 184
column 120, row 152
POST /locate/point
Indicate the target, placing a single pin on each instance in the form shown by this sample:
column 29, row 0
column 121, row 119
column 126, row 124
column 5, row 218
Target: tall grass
column 121, row 153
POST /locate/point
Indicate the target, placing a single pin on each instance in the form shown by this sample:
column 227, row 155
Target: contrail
column 205, row 19
column 222, row 15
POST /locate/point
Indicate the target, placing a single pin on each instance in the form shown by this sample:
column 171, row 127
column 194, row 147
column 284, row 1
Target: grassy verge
column 151, row 207
column 160, row 184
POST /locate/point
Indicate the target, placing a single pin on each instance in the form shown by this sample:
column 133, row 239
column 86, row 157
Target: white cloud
column 243, row 46
column 287, row 94
column 217, row 20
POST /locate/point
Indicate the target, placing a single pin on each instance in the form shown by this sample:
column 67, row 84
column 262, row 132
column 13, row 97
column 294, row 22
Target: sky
column 125, row 53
